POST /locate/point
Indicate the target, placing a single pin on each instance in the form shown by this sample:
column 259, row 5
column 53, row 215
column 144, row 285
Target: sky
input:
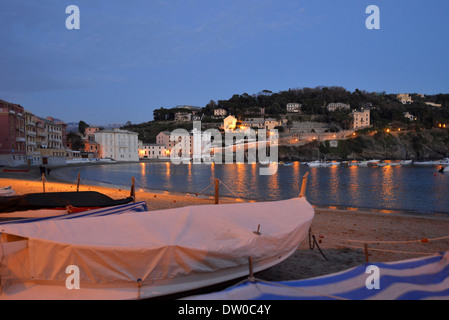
column 131, row 57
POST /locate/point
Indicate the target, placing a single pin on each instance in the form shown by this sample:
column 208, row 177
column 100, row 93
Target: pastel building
column 361, row 119
column 154, row 151
column 12, row 134
column 117, row 144
column 229, row 124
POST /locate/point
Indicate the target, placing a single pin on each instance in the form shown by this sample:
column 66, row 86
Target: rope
column 314, row 243
column 140, row 184
column 397, row 251
column 204, row 189
column 386, row 242
column 229, row 189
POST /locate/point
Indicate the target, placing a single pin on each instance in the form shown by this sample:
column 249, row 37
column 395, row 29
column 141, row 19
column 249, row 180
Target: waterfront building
column 51, row 140
column 117, row 144
column 32, row 151
column 154, row 151
column 163, row 138
column 12, row 134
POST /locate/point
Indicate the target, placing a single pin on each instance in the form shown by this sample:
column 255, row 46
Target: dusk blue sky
column 130, row 57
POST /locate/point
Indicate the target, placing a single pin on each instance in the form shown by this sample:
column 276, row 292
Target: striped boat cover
column 417, row 279
column 130, row 207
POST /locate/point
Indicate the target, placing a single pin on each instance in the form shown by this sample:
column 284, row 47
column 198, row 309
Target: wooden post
column 78, row 183
column 304, row 185
column 366, row 253
column 251, row 272
column 217, row 196
column 133, row 189
column 43, row 181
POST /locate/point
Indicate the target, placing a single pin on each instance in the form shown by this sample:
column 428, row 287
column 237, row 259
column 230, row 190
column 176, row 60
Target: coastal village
column 29, row 139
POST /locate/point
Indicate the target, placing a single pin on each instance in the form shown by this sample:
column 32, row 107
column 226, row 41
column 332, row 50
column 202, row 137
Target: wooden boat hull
column 58, row 200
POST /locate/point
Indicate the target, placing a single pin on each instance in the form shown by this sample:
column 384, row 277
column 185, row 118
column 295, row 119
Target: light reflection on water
column 419, row 189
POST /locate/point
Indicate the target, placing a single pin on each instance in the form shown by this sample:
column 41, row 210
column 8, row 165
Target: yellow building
column 229, row 124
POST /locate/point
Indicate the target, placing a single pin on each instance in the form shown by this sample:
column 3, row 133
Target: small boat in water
column 59, row 200
column 142, row 255
column 426, row 163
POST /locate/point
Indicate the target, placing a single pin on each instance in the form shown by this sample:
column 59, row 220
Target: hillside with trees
column 387, row 111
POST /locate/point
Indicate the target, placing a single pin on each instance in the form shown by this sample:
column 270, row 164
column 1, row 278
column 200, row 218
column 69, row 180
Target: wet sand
column 340, row 234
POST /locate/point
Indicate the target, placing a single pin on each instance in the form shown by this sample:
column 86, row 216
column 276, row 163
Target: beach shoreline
column 340, row 234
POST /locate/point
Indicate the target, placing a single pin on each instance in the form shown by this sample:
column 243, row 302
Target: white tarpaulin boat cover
column 416, row 279
column 151, row 246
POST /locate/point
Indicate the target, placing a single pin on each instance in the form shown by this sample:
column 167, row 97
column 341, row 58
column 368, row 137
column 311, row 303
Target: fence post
column 217, row 196
column 78, row 183
column 43, row 182
column 133, row 189
column 304, row 185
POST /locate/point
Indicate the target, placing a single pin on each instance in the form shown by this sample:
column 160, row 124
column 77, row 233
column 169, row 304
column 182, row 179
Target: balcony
column 19, row 139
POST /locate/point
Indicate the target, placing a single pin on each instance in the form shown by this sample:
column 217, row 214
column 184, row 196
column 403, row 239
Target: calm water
column 415, row 189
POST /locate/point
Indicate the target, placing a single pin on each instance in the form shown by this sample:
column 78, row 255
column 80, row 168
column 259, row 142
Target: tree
column 76, row 140
column 82, row 127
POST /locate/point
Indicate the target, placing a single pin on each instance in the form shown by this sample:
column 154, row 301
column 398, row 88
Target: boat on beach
column 7, row 192
column 138, row 255
column 424, row 278
column 45, row 215
column 78, row 201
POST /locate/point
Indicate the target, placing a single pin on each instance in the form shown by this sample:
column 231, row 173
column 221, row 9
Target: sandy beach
column 340, row 234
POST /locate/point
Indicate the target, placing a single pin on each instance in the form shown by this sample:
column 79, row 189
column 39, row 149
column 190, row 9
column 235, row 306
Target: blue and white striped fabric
column 417, row 279
column 130, row 207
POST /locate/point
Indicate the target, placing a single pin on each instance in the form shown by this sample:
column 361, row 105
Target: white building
column 220, row 112
column 361, row 118
column 294, row 107
column 338, row 105
column 117, row 144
